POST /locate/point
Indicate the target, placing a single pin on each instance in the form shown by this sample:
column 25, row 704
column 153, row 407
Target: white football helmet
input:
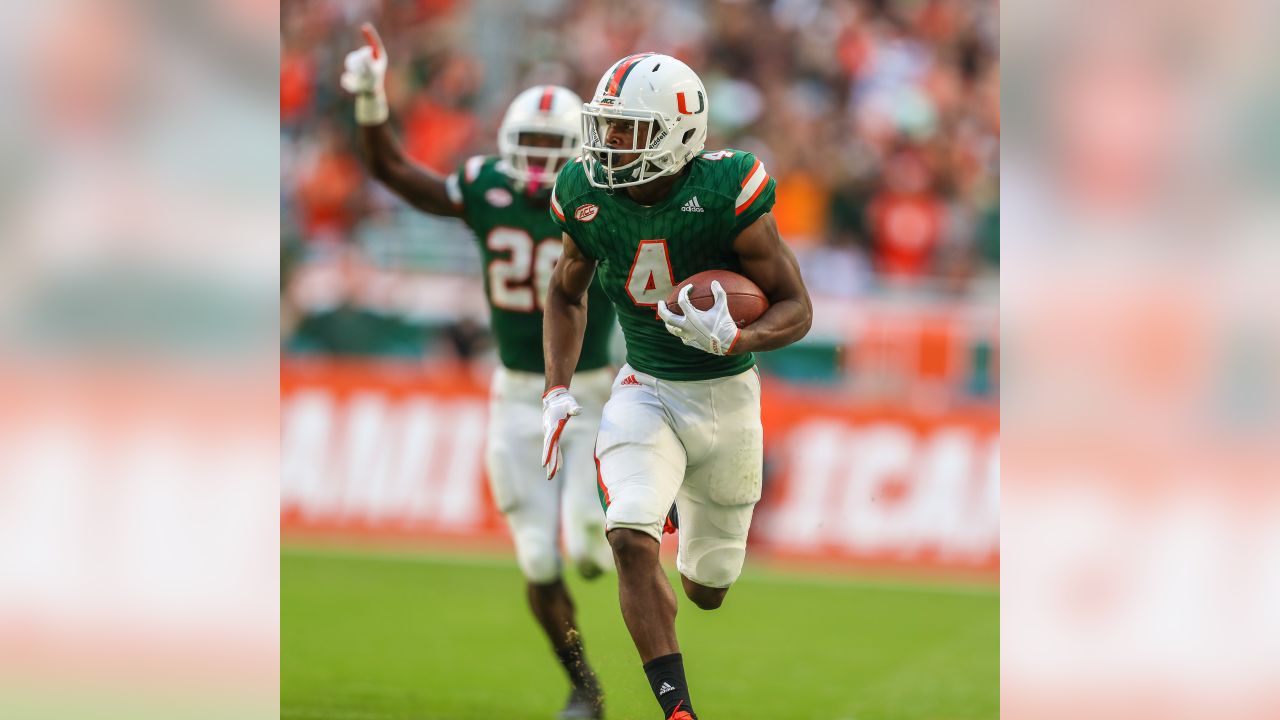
column 548, row 109
column 665, row 106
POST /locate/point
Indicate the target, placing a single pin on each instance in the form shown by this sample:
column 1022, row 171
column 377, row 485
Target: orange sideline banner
column 374, row 451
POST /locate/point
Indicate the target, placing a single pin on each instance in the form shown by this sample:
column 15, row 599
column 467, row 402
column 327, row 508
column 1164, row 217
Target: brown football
column 746, row 301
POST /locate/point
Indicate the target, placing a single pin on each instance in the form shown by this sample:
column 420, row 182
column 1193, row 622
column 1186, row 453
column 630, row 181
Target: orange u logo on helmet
column 684, row 109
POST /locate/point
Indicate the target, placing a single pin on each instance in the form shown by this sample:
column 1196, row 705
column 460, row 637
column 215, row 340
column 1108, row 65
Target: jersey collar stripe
column 620, row 75
column 751, row 188
column 548, row 93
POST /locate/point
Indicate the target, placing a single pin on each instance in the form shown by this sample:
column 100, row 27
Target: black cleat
column 588, row 569
column 586, row 703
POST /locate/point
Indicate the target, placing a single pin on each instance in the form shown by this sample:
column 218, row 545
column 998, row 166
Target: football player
column 641, row 209
column 504, row 200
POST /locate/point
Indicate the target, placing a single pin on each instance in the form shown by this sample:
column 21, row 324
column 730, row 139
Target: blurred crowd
column 880, row 119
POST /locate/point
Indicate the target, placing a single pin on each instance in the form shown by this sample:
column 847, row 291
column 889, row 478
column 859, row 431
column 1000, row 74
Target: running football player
column 504, row 200
column 643, row 208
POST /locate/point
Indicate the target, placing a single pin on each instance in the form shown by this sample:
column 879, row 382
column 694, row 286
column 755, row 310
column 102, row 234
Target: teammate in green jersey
column 504, row 200
column 642, row 209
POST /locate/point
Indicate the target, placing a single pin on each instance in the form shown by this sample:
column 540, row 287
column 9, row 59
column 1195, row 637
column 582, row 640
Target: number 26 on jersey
column 519, row 281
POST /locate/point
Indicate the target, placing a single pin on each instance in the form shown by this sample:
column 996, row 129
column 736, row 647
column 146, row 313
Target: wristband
column 371, row 108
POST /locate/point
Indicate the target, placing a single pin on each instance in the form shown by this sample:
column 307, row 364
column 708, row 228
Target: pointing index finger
column 371, row 37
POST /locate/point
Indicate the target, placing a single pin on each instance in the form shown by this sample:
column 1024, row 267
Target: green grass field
column 423, row 637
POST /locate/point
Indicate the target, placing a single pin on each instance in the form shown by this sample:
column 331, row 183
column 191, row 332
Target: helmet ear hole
column 688, row 134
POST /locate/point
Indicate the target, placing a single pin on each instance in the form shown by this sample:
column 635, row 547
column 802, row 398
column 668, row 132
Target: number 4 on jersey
column 650, row 279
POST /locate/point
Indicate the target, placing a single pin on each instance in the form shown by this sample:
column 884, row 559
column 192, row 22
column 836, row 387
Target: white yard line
column 770, row 577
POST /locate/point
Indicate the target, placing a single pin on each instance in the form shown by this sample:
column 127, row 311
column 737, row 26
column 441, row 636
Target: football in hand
column 746, row 300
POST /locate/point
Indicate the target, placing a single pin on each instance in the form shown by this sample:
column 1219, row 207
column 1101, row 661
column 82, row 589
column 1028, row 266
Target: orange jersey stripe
column 763, row 181
column 604, row 491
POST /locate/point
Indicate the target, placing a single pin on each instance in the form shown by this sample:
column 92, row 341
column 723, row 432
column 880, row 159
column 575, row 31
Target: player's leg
column 582, row 514
column 641, row 464
column 721, row 487
column 529, row 502
column 647, row 599
column 553, row 607
column 531, row 506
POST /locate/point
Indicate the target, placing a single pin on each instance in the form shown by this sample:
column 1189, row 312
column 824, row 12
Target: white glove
column 366, row 72
column 712, row 331
column 557, row 407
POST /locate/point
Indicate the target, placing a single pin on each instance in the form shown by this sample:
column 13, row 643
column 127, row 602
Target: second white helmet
column 661, row 104
column 545, row 110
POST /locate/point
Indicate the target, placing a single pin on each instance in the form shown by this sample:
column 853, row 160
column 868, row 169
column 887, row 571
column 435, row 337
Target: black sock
column 574, row 660
column 666, row 677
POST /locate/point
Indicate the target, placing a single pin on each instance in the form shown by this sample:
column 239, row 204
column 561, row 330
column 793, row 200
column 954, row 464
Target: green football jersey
column 519, row 246
column 643, row 251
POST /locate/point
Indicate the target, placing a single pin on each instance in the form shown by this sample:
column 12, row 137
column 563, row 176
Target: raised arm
column 419, row 186
column 564, row 317
column 366, row 70
column 768, row 261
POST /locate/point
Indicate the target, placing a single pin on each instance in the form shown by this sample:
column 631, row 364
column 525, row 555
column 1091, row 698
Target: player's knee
column 632, row 547
column 706, row 576
column 540, row 565
column 708, row 601
column 706, row 598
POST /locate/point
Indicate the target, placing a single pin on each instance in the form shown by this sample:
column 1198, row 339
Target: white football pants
column 538, row 510
column 698, row 443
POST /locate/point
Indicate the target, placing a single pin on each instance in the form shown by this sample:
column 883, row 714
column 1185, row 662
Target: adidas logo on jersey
column 630, row 380
column 692, row 205
column 666, row 688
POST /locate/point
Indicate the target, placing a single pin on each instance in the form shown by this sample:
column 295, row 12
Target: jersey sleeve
column 461, row 182
column 564, row 196
column 557, row 210
column 755, row 192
